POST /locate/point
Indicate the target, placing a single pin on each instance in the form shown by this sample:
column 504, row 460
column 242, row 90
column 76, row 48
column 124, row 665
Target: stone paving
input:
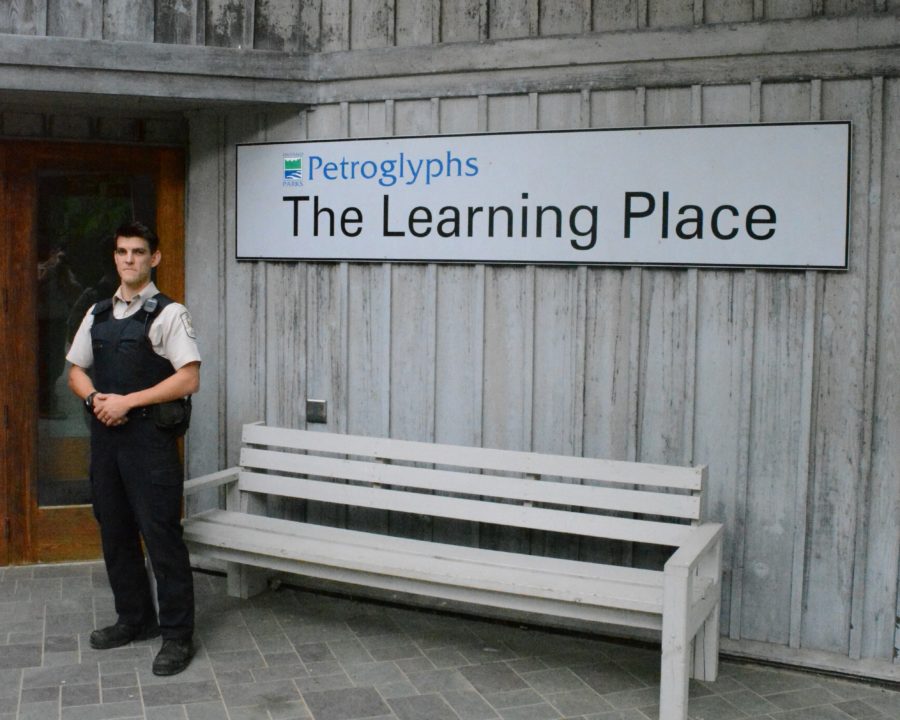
column 289, row 654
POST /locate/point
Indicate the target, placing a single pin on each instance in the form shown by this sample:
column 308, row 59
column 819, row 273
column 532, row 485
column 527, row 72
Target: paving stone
column 469, row 705
column 114, row 711
column 349, row 651
column 359, row 661
column 9, row 704
column 42, row 694
column 422, row 707
column 887, row 701
column 260, row 693
column 541, row 711
column 513, row 698
column 21, row 656
column 493, row 678
column 346, row 704
column 39, row 710
column 213, row 710
column 68, row 674
column 823, row 712
column 179, row 693
column 60, row 643
column 123, row 694
column 807, row 697
column 631, row 714
column 578, row 702
column 714, row 707
column 171, row 712
column 440, row 681
column 73, row 695
column 118, row 680
column 607, row 678
column 750, row 703
column 374, row 673
column 555, row 680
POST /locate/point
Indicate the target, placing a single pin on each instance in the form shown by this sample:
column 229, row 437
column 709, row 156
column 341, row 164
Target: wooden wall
column 311, row 26
column 785, row 383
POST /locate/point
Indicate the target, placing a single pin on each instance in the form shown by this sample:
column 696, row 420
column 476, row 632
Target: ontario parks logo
column 293, row 170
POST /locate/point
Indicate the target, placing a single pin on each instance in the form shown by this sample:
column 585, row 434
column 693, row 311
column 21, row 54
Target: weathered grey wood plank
column 128, row 20
column 368, row 369
column 73, row 18
column 371, row 23
column 782, row 9
column 774, row 446
column 670, row 13
column 276, row 26
column 458, row 115
column 512, row 19
column 559, row 111
column 508, row 373
column 869, row 537
column 839, row 401
column 245, row 304
column 564, row 17
column 417, row 22
column 884, row 531
column 609, row 15
column 204, row 288
column 464, row 20
column 175, row 22
column 722, row 11
column 24, row 17
column 559, row 364
column 225, row 23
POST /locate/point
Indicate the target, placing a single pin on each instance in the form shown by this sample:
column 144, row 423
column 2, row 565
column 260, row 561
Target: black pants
column 137, row 487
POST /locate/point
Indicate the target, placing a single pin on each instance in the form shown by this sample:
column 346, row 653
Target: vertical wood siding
column 328, row 25
column 784, row 383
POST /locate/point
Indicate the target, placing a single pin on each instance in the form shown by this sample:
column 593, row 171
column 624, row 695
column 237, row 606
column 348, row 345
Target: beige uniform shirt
column 171, row 333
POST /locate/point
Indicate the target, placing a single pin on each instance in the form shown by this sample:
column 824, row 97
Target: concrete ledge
column 717, row 54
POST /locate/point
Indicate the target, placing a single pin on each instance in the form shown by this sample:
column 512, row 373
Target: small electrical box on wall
column 316, row 411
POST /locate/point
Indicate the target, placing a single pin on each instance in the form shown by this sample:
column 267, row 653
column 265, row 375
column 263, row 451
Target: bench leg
column 245, row 581
column 676, row 650
column 706, row 648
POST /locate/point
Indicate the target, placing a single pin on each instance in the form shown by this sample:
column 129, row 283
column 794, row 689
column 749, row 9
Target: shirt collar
column 150, row 290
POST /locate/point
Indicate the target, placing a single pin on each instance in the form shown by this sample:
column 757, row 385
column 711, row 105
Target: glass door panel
column 75, row 216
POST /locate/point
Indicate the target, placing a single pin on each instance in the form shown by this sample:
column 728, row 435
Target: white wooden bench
column 618, row 501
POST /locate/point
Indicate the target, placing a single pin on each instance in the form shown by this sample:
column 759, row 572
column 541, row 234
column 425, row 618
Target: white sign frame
column 768, row 195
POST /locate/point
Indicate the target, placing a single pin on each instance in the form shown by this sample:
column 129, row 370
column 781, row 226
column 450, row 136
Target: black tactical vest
column 124, row 359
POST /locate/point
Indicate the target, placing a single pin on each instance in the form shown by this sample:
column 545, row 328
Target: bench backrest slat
column 388, row 449
column 494, row 486
column 498, row 513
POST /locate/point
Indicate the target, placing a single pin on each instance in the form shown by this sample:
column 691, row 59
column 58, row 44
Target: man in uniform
column 134, row 362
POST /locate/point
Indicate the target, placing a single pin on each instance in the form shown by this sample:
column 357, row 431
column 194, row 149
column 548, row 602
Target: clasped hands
column 110, row 409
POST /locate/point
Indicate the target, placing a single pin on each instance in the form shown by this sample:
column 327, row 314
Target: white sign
column 772, row 196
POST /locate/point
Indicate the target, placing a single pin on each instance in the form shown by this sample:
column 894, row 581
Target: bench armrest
column 701, row 541
column 213, row 480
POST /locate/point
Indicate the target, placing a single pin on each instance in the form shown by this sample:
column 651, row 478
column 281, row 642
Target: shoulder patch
column 188, row 327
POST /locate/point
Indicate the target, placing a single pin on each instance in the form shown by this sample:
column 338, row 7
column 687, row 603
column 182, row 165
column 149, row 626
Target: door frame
column 30, row 533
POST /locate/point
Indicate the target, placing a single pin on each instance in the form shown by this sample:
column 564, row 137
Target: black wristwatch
column 89, row 402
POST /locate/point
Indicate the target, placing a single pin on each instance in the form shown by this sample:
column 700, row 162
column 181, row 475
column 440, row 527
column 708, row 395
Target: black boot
column 121, row 634
column 174, row 657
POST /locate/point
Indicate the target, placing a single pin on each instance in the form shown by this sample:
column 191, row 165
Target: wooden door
column 59, row 203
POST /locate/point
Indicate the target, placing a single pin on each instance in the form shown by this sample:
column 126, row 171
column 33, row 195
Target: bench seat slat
column 498, row 513
column 557, row 493
column 565, row 580
column 610, row 471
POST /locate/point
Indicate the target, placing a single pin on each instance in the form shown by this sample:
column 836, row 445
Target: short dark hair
column 135, row 228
